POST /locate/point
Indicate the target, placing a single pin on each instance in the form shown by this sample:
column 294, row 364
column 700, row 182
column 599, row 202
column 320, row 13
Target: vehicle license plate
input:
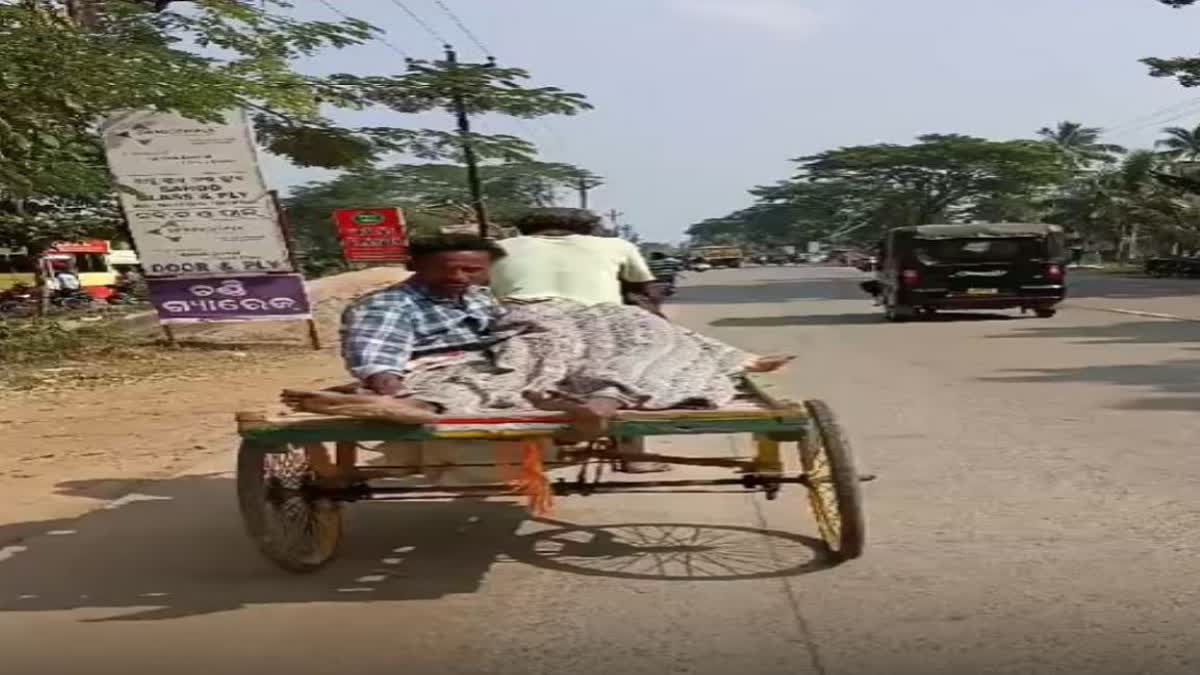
column 982, row 291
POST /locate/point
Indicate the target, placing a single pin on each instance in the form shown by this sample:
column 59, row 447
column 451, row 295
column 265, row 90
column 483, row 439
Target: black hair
column 657, row 255
column 579, row 221
column 450, row 243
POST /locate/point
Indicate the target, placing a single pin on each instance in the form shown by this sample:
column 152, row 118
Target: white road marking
column 371, row 578
column 357, row 589
column 61, row 533
column 134, row 497
column 10, row 551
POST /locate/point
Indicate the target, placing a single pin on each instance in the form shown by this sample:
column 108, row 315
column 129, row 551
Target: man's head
column 658, row 255
column 450, row 264
column 577, row 221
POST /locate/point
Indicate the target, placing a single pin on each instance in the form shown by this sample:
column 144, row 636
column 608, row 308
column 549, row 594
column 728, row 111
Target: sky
column 699, row 100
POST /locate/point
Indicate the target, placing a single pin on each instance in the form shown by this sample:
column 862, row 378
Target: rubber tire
column 252, row 503
column 1045, row 313
column 846, row 484
column 898, row 313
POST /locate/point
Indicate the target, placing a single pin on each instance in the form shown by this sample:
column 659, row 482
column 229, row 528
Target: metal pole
column 469, row 156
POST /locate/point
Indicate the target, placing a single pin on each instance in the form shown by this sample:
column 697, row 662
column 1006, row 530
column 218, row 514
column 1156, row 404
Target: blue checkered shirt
column 383, row 331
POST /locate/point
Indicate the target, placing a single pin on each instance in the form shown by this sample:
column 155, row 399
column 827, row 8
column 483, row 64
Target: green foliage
column 1185, row 69
column 126, row 54
column 433, row 196
column 1180, row 144
column 1080, row 146
column 863, row 190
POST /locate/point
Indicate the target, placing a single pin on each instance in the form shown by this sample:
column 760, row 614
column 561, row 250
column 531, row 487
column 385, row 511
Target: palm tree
column 1181, row 144
column 1080, row 145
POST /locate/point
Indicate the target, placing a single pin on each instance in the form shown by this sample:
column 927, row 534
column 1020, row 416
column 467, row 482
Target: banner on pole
column 194, row 196
column 372, row 235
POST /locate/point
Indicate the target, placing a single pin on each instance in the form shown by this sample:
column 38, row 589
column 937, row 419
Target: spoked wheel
column 294, row 529
column 834, row 494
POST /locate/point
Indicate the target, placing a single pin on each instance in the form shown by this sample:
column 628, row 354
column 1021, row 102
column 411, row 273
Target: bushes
column 49, row 341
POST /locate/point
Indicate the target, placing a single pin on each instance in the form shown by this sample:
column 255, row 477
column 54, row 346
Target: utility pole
column 469, row 156
column 613, row 216
column 584, row 184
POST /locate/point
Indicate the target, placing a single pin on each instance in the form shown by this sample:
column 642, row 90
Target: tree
column 433, row 196
column 1185, row 69
column 858, row 192
column 134, row 56
column 1180, row 144
column 941, row 177
column 1080, row 145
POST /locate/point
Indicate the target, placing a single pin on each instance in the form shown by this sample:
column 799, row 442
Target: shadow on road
column 1085, row 285
column 177, row 549
column 1129, row 332
column 875, row 318
column 1175, row 381
column 772, row 291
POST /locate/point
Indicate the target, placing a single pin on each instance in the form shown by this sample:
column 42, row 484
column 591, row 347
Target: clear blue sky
column 699, row 100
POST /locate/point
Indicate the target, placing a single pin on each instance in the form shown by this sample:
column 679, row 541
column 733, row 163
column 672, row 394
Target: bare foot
column 589, row 419
column 401, row 410
column 767, row 364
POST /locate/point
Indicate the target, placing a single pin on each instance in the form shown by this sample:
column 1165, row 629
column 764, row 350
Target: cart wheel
column 834, row 494
column 1045, row 313
column 293, row 529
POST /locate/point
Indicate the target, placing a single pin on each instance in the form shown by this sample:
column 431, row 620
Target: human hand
column 385, row 384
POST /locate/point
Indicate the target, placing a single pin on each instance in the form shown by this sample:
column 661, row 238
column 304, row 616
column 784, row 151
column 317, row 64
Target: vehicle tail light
column 1054, row 272
column 910, row 277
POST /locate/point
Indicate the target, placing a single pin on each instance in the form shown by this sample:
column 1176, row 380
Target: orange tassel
column 527, row 474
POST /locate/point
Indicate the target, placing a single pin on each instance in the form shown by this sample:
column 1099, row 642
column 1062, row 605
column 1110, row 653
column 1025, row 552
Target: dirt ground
column 84, row 438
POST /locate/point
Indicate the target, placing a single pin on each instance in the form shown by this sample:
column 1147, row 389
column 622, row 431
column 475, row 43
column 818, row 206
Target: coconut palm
column 1080, row 145
column 1181, row 144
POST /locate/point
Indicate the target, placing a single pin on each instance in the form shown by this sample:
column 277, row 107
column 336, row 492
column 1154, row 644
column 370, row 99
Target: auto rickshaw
column 990, row 266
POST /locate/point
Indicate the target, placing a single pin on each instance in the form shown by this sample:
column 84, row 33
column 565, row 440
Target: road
column 1034, row 513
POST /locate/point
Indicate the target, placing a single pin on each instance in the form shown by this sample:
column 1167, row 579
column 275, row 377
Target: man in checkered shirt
column 442, row 309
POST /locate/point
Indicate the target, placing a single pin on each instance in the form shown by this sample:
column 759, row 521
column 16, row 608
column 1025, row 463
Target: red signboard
column 87, row 246
column 372, row 235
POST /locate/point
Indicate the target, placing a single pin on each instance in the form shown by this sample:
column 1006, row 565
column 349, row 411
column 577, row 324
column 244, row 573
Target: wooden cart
column 291, row 487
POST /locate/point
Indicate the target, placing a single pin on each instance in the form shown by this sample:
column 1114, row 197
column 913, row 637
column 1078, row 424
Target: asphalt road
column 1035, row 512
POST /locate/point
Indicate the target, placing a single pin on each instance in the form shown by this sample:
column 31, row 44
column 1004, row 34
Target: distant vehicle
column 927, row 268
column 719, row 256
column 868, row 264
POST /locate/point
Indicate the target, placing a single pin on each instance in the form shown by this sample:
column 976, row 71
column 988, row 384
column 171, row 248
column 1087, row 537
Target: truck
column 718, row 256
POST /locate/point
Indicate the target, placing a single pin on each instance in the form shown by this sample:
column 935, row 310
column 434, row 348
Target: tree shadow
column 875, row 318
column 831, row 288
column 176, row 548
column 1175, row 382
column 1116, row 287
column 1129, row 332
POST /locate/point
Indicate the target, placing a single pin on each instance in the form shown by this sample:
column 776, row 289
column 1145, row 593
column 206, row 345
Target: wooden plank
column 341, row 429
column 758, row 410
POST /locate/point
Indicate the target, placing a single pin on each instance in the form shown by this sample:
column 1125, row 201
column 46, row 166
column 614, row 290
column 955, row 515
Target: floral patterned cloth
column 563, row 348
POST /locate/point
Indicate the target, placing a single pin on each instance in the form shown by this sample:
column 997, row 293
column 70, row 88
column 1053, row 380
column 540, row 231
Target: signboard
column 88, row 246
column 230, row 298
column 195, row 199
column 372, row 235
